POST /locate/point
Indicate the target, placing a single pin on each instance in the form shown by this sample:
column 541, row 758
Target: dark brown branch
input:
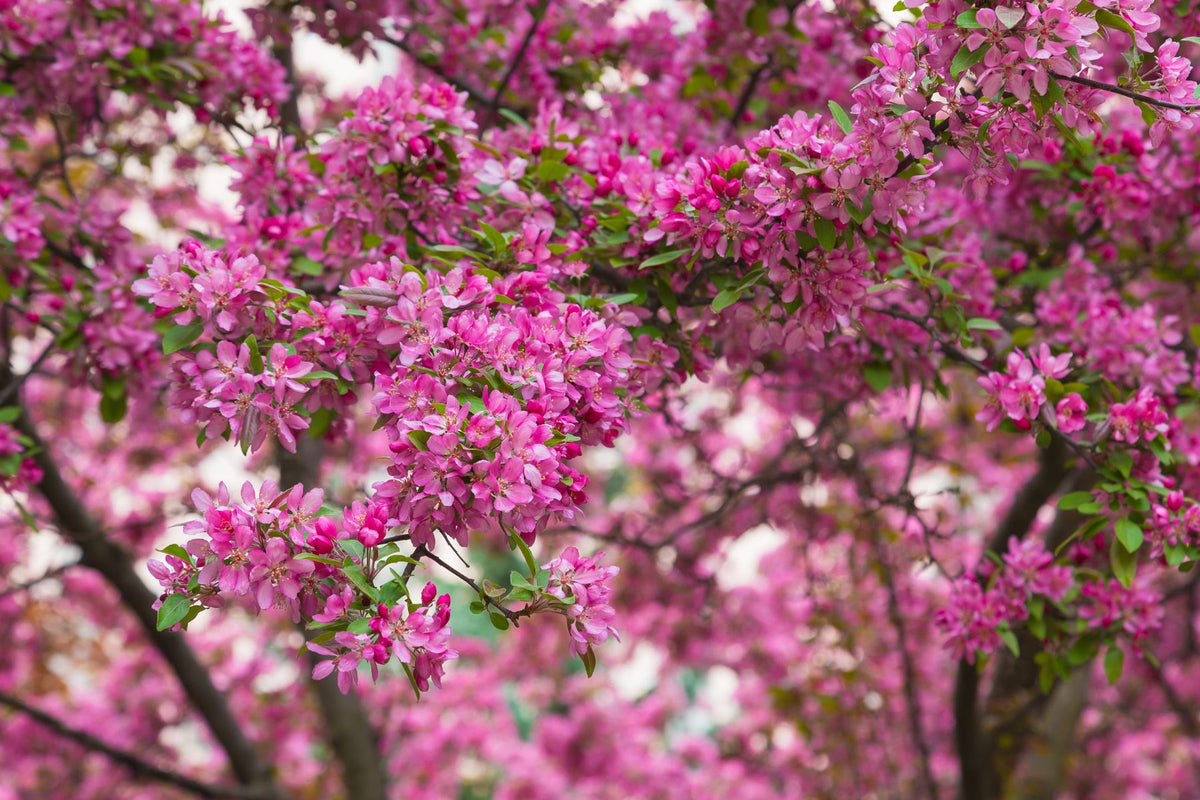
column 289, row 112
column 537, row 11
column 976, row 778
column 138, row 766
column 915, row 725
column 77, row 524
column 1132, row 95
column 735, row 118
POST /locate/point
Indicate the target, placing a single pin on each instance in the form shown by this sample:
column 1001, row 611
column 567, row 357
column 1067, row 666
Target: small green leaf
column 984, row 324
column 307, row 266
column 1083, row 649
column 1124, row 563
column 113, row 410
column 1010, row 641
column 725, row 299
column 826, row 233
column 1069, row 502
column 552, row 170
column 1114, row 664
column 589, row 661
column 841, row 117
column 664, row 258
column 1129, row 534
column 173, row 610
column 967, row 20
column 1110, row 20
column 623, row 299
column 964, row 59
column 181, row 336
column 518, row 543
column 10, row 414
column 499, row 621
column 513, row 116
column 177, row 551
column 878, row 376
column 1122, row 462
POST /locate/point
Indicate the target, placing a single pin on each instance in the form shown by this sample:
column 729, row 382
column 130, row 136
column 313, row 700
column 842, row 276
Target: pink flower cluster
column 263, row 548
column 488, row 397
column 249, row 549
column 1174, row 523
column 416, row 636
column 1142, row 418
column 972, row 620
column 194, row 282
column 1136, row 610
column 1019, row 393
column 581, row 582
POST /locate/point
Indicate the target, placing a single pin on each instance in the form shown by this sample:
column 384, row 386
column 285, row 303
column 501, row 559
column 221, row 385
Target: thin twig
column 537, row 12
column 134, row 763
column 45, row 576
column 1132, row 95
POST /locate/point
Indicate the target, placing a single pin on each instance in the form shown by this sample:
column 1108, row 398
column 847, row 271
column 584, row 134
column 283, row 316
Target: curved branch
column 134, row 763
column 77, row 524
column 1132, row 95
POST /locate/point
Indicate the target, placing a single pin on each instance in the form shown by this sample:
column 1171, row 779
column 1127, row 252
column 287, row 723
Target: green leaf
column 172, row 611
column 984, row 324
column 323, row 559
column 307, row 266
column 1083, row 649
column 841, row 117
column 589, row 661
column 1069, row 502
column 499, row 621
column 664, row 258
column 371, row 240
column 878, row 376
column 517, row 542
column 176, row 550
column 495, row 238
column 354, row 574
column 113, row 410
column 967, row 20
column 1110, row 20
column 623, row 299
column 964, row 59
column 1122, row 462
column 725, row 299
column 514, row 117
column 181, row 336
column 826, row 233
column 1010, row 641
column 552, row 170
column 1114, row 664
column 1129, row 534
column 10, row 414
column 1124, row 563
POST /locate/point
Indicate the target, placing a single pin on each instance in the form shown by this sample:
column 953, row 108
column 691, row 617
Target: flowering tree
column 861, row 341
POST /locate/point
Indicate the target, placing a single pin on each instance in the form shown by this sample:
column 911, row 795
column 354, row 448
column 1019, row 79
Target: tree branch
column 76, row 523
column 537, row 11
column 135, row 764
column 1132, row 95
